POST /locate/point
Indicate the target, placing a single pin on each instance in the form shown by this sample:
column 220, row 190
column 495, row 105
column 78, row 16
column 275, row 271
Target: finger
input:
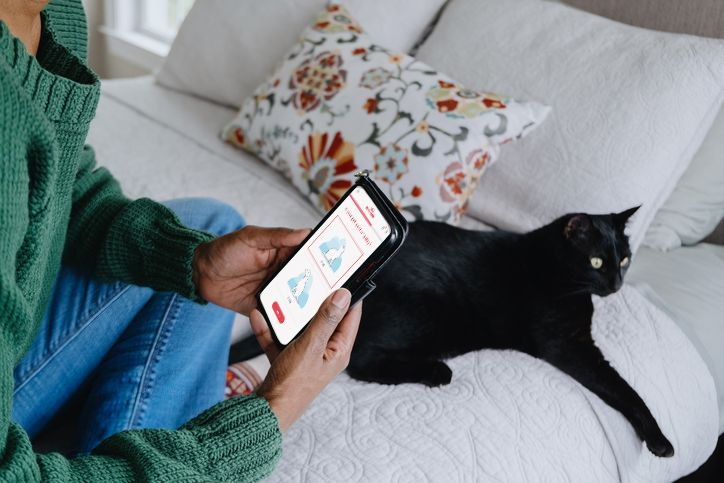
column 263, row 336
column 265, row 238
column 346, row 331
column 327, row 319
column 283, row 254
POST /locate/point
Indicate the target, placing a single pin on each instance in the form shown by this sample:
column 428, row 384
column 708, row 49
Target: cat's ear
column 620, row 219
column 578, row 228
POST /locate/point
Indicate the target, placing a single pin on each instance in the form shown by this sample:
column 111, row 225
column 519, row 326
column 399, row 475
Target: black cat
column 451, row 291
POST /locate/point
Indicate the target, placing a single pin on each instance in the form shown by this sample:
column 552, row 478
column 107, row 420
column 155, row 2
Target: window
column 141, row 31
column 162, row 18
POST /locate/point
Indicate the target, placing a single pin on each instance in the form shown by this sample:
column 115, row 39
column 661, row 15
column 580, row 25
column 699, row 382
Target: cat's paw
column 660, row 446
column 440, row 375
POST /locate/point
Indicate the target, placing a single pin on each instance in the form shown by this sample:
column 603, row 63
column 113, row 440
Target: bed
column 505, row 416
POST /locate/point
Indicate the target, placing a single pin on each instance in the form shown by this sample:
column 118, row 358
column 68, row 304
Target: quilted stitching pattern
column 509, row 417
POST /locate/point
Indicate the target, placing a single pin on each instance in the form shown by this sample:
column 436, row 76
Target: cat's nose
column 616, row 282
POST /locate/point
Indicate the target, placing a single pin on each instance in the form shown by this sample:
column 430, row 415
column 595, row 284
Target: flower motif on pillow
column 325, row 159
column 340, row 103
column 460, row 179
column 375, row 77
column 456, row 101
column 317, row 79
column 391, row 163
column 335, row 19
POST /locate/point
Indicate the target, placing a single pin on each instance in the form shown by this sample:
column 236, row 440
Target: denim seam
column 73, row 329
column 138, row 408
column 51, row 354
column 94, row 309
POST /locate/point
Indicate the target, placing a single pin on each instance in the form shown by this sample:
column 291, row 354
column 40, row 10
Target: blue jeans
column 128, row 357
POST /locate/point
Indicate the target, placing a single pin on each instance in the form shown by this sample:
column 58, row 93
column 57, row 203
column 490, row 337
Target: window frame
column 141, row 25
column 128, row 37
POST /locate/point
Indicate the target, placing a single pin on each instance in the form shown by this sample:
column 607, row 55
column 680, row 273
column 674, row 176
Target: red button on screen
column 278, row 312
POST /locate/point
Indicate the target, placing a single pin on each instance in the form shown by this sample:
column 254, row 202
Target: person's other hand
column 227, row 271
column 311, row 361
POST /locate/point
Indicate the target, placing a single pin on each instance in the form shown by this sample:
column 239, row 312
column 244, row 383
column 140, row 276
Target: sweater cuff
column 170, row 257
column 239, row 437
column 148, row 245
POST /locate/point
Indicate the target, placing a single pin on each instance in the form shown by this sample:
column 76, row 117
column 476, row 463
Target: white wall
column 108, row 66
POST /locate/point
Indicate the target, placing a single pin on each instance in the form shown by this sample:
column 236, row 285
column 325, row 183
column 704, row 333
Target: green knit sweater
column 55, row 205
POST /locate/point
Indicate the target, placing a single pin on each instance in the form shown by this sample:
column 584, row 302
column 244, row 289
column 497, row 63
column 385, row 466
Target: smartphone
column 346, row 249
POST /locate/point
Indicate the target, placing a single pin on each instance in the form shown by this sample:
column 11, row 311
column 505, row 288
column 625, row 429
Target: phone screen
column 333, row 253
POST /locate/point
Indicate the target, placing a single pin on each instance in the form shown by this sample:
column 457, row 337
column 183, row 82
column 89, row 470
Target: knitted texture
column 56, row 205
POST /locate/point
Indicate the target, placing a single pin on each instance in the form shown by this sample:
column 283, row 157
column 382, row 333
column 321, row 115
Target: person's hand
column 311, row 361
column 227, row 271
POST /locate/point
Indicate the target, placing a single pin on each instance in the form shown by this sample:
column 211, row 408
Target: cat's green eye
column 624, row 262
column 596, row 262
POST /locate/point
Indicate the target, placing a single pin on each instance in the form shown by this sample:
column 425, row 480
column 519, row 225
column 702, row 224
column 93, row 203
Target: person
column 122, row 308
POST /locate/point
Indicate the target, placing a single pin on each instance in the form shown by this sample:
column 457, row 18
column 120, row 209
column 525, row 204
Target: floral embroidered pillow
column 340, row 103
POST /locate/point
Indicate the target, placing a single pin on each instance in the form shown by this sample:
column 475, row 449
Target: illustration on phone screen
column 300, row 287
column 324, row 264
column 333, row 251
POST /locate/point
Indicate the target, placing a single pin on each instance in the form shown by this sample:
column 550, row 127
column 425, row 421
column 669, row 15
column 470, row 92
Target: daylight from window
column 162, row 18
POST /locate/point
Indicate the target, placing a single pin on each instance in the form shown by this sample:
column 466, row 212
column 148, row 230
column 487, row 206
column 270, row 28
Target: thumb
column 266, row 238
column 328, row 316
column 263, row 336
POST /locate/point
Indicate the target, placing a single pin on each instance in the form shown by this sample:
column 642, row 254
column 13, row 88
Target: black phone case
column 361, row 283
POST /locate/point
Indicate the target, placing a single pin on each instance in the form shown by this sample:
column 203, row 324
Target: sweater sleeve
column 236, row 440
column 139, row 242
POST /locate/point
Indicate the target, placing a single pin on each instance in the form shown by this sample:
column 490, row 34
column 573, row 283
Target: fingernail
column 341, row 298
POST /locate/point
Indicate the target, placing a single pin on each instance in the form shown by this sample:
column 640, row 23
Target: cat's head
column 597, row 250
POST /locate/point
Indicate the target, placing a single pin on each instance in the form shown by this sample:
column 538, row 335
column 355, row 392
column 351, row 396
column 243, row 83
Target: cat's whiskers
column 579, row 287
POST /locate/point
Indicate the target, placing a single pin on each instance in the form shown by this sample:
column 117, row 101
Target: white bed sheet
column 688, row 284
column 505, row 417
column 171, row 148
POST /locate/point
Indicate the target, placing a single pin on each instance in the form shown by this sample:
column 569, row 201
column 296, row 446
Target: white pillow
column 340, row 102
column 226, row 48
column 630, row 107
column 696, row 206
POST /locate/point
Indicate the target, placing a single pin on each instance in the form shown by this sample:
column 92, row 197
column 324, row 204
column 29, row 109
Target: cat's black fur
column 451, row 291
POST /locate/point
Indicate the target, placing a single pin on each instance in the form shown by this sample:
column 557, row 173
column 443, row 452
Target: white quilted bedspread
column 511, row 418
column 506, row 417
